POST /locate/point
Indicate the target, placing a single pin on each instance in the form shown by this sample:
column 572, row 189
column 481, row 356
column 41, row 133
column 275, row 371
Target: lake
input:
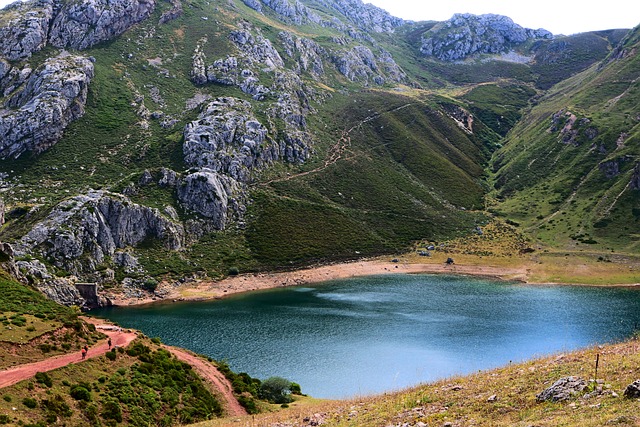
column 374, row 334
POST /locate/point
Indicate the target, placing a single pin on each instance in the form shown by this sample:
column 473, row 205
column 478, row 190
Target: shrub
column 29, row 402
column 81, row 392
column 111, row 355
column 276, row 390
column 6, row 398
column 234, row 271
column 111, row 410
column 4, row 419
column 31, row 328
column 56, row 406
column 44, row 378
column 45, row 348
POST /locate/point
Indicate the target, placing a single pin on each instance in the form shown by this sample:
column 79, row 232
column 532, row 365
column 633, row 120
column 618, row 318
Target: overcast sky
column 558, row 16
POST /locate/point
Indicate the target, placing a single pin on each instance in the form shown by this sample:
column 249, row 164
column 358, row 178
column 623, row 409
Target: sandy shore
column 205, row 290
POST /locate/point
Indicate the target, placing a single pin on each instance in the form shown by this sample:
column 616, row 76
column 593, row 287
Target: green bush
column 111, row 410
column 276, row 390
column 6, row 398
column 81, row 392
column 29, row 402
column 111, row 355
column 4, row 419
column 44, row 378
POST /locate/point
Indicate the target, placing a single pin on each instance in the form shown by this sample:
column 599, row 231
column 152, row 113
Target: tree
column 276, row 390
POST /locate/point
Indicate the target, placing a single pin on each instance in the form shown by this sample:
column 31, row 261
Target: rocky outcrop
column 361, row 65
column 24, row 27
column 7, row 260
column 175, row 12
column 210, row 195
column 83, row 24
column 365, row 16
column 81, row 232
column 53, row 96
column 306, row 53
column 563, row 389
column 466, row 34
column 228, row 139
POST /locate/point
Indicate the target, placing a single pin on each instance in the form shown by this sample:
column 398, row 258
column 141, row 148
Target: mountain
column 161, row 140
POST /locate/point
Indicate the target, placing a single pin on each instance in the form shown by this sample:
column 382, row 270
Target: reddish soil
column 119, row 337
column 215, row 377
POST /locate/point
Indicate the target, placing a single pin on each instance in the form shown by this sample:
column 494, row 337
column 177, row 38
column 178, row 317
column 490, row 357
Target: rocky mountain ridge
column 465, row 34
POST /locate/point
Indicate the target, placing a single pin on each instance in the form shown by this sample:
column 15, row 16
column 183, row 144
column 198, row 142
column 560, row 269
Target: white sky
column 558, row 16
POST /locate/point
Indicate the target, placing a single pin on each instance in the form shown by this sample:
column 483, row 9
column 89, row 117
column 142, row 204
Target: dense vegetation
column 144, row 385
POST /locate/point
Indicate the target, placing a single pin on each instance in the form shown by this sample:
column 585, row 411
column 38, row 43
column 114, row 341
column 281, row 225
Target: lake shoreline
column 210, row 290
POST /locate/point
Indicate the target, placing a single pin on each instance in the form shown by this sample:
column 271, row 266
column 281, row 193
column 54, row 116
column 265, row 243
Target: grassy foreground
column 501, row 397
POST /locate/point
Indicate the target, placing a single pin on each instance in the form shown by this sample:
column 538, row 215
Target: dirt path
column 211, row 374
column 119, row 337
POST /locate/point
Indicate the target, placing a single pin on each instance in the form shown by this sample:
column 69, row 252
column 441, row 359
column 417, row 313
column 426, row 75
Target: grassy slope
column 33, row 328
column 557, row 190
column 501, row 397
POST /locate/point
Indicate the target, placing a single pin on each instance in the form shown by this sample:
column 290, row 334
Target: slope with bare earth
column 118, row 337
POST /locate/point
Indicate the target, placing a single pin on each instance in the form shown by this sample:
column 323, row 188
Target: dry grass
column 467, row 401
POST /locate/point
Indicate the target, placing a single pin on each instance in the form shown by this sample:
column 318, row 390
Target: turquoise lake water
column 381, row 333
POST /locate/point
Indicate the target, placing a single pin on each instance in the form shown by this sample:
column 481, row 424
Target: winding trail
column 214, row 376
column 119, row 337
column 122, row 338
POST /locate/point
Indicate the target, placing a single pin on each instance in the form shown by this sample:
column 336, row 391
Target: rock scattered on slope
column 563, row 389
column 633, row 390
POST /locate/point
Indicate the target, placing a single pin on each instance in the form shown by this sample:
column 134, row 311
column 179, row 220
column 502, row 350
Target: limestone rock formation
column 53, row 96
column 95, row 224
column 228, row 139
column 361, row 65
column 209, row 194
column 24, row 27
column 466, row 34
column 174, row 13
column 305, row 52
column 365, row 16
column 83, row 24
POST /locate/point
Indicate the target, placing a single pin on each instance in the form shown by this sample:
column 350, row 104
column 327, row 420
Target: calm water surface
column 381, row 333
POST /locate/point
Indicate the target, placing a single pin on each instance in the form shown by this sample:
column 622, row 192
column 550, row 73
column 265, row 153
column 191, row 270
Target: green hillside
column 568, row 170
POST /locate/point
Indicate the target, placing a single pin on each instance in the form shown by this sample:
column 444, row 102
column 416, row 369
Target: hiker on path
column 109, row 342
column 84, row 352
